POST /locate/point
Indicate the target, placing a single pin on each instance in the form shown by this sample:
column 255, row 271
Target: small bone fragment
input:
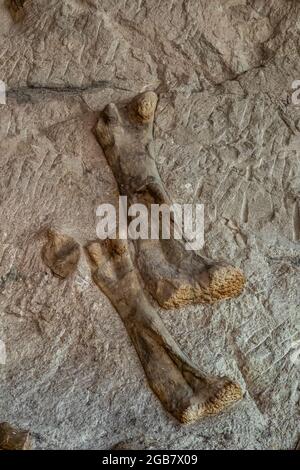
column 61, row 254
column 13, row 439
column 16, row 9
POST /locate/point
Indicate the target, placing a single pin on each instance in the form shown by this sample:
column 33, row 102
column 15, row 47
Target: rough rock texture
column 227, row 134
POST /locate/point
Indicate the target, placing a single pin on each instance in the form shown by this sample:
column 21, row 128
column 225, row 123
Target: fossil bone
column 173, row 275
column 13, row 439
column 61, row 254
column 186, row 392
column 16, row 9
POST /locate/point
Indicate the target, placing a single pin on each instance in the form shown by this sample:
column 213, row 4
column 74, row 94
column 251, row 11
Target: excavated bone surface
column 227, row 135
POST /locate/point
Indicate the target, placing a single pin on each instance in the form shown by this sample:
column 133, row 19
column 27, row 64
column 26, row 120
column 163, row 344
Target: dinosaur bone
column 61, row 254
column 173, row 275
column 186, row 392
column 13, row 439
column 16, row 8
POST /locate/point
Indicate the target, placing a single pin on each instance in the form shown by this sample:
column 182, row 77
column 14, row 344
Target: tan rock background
column 227, row 135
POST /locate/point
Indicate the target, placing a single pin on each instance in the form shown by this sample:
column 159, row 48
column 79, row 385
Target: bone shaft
column 165, row 365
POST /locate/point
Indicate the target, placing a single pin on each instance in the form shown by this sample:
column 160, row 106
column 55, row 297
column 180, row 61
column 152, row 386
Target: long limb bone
column 186, row 392
column 173, row 275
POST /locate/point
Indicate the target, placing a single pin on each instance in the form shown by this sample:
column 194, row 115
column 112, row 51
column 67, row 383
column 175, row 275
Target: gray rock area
column 227, row 135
